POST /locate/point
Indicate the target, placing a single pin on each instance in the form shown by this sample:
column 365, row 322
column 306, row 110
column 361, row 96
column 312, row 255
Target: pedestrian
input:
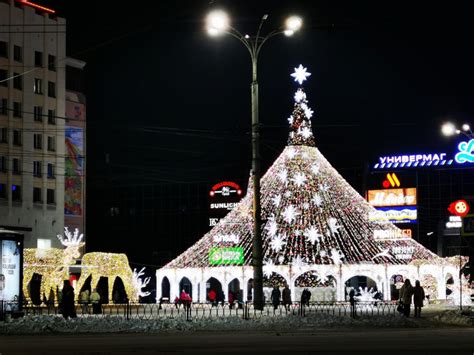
column 67, row 300
column 220, row 298
column 231, row 299
column 352, row 301
column 212, row 297
column 305, row 297
column 418, row 298
column 95, row 300
column 406, row 293
column 84, row 299
column 185, row 299
column 51, row 300
column 275, row 297
column 286, row 297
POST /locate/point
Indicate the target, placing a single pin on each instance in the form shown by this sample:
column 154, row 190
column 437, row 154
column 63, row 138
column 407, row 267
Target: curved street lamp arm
column 266, row 38
column 249, row 45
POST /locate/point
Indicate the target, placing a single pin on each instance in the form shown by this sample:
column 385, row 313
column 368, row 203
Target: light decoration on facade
column 315, row 222
column 460, row 293
column 36, row 6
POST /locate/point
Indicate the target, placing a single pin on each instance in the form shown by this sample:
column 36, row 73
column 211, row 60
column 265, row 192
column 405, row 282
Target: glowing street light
column 218, row 23
column 449, row 129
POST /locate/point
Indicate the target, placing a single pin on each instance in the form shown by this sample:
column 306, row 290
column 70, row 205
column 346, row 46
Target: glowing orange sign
column 392, row 197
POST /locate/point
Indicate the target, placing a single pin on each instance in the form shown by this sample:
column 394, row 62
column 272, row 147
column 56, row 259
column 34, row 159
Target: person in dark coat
column 67, row 300
column 352, row 301
column 275, row 296
column 418, row 297
column 406, row 293
column 305, row 297
column 286, row 295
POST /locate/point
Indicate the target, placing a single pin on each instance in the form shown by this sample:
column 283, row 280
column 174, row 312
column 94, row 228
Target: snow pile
column 56, row 324
column 455, row 317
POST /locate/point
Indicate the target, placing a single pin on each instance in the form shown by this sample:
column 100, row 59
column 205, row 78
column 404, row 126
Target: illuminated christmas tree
column 316, row 228
column 311, row 214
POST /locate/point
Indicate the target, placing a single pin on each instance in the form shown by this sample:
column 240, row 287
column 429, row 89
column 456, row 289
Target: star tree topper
column 300, row 74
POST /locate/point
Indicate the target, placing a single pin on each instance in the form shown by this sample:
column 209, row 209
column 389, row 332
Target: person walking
column 95, row 300
column 67, row 300
column 352, row 301
column 286, row 297
column 406, row 293
column 275, row 297
column 418, row 298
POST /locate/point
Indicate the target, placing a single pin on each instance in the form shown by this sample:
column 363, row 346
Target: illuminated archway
column 396, row 282
column 186, row 285
column 165, row 289
column 323, row 287
column 119, row 295
column 214, row 284
column 358, row 283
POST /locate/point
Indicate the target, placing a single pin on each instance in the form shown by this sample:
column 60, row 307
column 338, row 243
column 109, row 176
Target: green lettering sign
column 226, row 256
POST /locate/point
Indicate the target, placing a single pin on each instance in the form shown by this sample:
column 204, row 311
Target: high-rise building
column 33, row 122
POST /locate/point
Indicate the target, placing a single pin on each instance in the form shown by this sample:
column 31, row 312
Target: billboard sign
column 223, row 197
column 392, row 197
column 395, row 214
column 10, row 270
column 226, row 256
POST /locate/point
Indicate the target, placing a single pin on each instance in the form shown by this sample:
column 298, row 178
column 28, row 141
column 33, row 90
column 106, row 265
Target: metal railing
column 207, row 310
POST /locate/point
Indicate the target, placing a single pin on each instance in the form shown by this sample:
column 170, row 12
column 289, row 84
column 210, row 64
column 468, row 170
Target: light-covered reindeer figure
column 140, row 283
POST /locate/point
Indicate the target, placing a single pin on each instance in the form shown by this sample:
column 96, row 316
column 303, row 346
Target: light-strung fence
column 194, row 311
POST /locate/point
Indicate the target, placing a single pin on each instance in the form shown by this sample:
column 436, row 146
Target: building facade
column 32, row 124
column 75, row 135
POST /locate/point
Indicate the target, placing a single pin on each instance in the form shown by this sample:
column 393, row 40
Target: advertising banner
column 396, row 214
column 392, row 197
column 226, row 256
column 9, row 271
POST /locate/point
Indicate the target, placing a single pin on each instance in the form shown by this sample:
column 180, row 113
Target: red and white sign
column 459, row 208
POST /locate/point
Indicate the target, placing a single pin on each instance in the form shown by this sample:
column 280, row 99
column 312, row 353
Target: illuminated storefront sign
column 226, row 256
column 392, row 197
column 225, row 188
column 402, row 252
column 465, row 152
column 226, row 238
column 223, row 197
column 464, row 156
column 454, row 222
column 382, row 234
column 392, row 181
column 395, row 214
column 459, row 208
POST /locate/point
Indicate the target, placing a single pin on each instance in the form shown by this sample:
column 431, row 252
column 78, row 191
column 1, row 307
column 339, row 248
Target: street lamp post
column 218, row 23
column 449, row 129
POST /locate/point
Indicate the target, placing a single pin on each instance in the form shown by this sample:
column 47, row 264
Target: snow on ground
column 456, row 317
column 432, row 316
column 56, row 324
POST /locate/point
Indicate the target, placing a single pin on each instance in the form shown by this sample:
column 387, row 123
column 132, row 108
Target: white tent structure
column 317, row 232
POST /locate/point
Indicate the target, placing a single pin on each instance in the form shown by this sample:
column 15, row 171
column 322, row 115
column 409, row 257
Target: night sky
column 167, row 104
